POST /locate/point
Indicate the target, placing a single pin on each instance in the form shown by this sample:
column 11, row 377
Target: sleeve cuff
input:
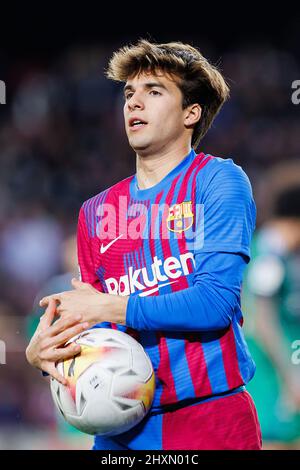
column 130, row 312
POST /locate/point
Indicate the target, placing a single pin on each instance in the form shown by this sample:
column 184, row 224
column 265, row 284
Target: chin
column 139, row 146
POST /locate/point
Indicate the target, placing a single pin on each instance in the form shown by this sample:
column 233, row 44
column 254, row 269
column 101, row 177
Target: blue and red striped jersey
column 178, row 250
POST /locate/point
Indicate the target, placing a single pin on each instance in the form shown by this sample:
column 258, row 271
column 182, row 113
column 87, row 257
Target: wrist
column 118, row 309
column 30, row 357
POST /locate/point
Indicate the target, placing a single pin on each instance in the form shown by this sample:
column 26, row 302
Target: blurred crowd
column 62, row 140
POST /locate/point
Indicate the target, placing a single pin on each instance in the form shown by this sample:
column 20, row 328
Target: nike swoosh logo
column 150, row 291
column 103, row 249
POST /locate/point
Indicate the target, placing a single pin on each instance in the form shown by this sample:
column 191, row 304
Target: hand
column 93, row 306
column 46, row 345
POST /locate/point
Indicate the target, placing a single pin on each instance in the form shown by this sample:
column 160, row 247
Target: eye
column 128, row 95
column 155, row 93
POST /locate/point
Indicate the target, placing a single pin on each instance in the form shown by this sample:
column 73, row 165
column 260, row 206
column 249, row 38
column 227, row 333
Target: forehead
column 144, row 78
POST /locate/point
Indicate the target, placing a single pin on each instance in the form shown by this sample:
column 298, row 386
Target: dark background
column 62, row 141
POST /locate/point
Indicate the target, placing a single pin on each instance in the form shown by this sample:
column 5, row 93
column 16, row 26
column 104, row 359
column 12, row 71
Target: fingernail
column 85, row 324
column 78, row 317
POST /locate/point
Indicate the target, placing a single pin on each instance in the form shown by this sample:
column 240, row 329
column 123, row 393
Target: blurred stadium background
column 62, row 141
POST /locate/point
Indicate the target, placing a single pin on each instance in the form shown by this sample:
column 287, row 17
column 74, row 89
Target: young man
column 162, row 255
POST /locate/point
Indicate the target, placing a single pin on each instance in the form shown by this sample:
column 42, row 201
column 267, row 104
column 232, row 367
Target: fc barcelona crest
column 180, row 217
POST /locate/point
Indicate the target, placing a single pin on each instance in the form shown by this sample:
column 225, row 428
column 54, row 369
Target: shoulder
column 222, row 176
column 217, row 167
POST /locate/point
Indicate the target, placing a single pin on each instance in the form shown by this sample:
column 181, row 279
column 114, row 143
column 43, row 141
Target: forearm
column 208, row 305
column 117, row 309
column 199, row 308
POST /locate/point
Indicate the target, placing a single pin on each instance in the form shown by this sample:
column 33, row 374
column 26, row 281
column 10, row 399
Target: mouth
column 136, row 123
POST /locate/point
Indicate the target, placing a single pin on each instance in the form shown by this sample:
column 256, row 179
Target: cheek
column 170, row 121
column 125, row 112
column 164, row 118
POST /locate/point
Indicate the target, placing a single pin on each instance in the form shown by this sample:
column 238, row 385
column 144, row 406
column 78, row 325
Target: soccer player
column 162, row 255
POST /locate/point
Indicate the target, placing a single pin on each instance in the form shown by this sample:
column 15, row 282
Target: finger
column 59, row 309
column 49, row 315
column 45, row 300
column 56, row 375
column 61, row 338
column 63, row 324
column 61, row 354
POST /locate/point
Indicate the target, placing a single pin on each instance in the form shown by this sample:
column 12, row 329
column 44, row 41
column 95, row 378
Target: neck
column 150, row 170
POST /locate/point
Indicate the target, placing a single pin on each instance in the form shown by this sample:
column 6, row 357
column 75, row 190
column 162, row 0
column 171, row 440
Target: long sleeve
column 208, row 305
column 229, row 221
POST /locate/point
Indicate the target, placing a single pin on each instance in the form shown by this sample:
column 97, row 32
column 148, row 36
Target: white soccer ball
column 111, row 383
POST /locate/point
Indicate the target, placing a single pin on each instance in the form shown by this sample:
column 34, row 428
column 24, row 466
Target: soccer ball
column 111, row 383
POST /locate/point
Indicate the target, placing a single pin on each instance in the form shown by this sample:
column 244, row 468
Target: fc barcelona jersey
column 178, row 250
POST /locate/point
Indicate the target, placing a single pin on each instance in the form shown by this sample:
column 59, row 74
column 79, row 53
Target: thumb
column 50, row 313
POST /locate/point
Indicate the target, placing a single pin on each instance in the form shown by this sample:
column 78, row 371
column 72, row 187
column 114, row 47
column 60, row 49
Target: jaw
column 139, row 146
column 147, row 147
column 139, row 139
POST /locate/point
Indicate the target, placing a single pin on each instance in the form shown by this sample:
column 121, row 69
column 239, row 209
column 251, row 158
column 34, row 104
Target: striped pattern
column 187, row 365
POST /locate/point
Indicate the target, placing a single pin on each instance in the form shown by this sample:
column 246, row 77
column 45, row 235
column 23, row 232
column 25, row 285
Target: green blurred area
column 279, row 420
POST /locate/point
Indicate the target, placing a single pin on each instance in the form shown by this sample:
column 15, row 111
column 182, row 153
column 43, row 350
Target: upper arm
column 228, row 209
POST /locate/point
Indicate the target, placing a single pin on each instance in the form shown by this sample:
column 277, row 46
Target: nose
column 135, row 102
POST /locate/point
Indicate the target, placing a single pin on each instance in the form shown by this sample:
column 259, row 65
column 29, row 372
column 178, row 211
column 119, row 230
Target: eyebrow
column 146, row 85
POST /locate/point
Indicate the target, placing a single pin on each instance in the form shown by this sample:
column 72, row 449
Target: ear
column 192, row 115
